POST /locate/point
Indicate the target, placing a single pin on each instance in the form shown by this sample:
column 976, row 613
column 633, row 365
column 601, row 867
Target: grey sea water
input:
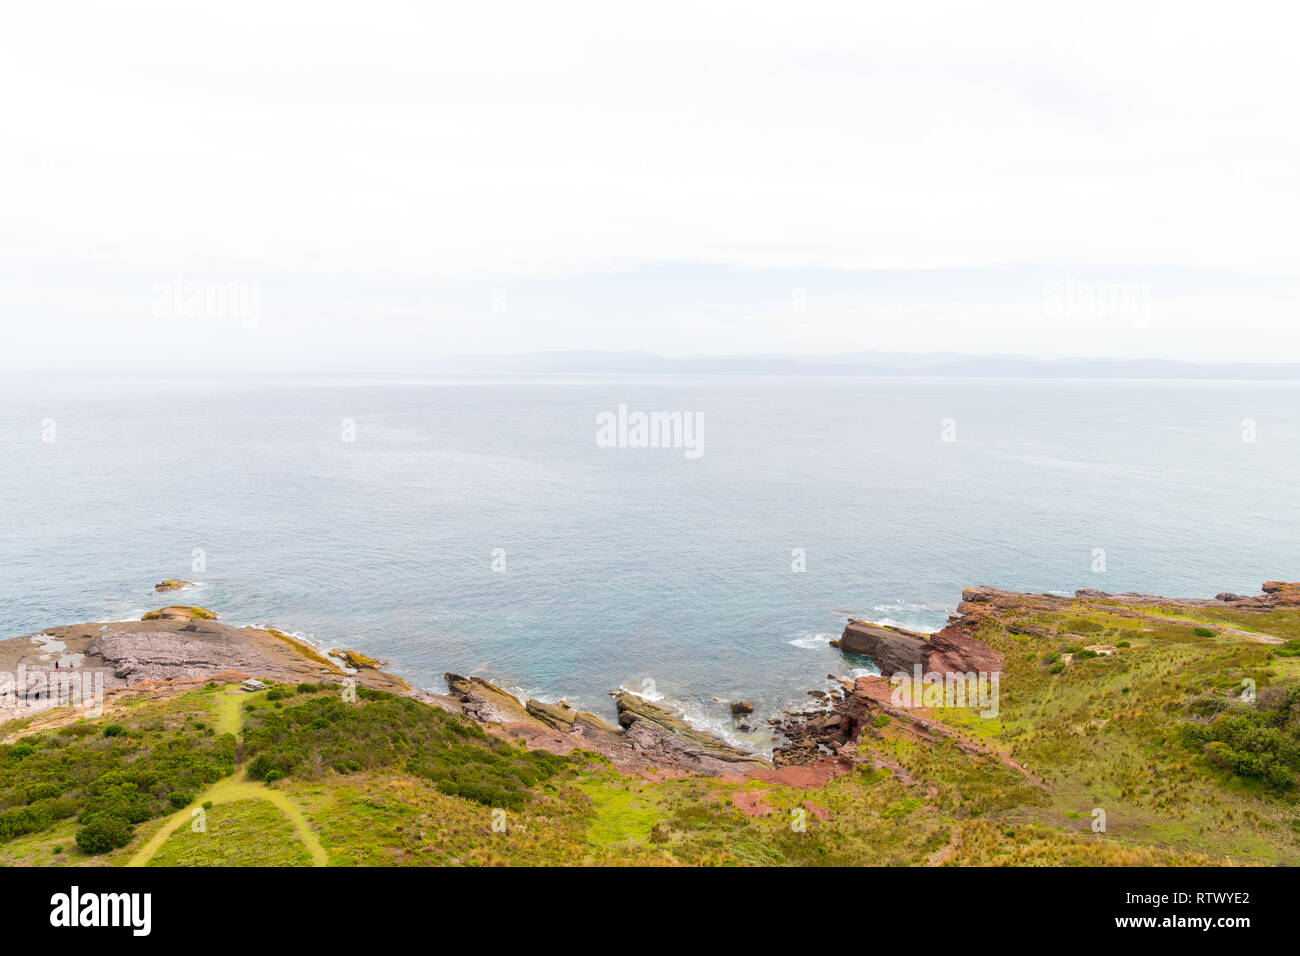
column 627, row 565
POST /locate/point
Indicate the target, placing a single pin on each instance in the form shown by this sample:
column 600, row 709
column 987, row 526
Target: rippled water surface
column 630, row 565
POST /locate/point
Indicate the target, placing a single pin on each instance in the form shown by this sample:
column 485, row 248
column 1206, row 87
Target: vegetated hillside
column 94, row 782
column 1180, row 722
column 1133, row 710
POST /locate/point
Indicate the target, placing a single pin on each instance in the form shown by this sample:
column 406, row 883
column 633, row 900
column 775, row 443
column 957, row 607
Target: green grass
column 227, row 718
column 623, row 812
column 242, row 833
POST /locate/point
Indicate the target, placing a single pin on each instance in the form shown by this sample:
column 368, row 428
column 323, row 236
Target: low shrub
column 322, row 735
column 103, row 834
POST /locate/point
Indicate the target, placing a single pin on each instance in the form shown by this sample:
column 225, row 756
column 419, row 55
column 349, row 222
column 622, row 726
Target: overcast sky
column 387, row 181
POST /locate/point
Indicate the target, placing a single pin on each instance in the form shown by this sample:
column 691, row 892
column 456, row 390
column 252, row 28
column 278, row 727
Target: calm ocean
column 627, row 565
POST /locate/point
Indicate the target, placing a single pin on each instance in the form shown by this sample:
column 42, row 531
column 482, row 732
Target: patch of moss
column 193, row 613
column 357, row 660
column 303, row 648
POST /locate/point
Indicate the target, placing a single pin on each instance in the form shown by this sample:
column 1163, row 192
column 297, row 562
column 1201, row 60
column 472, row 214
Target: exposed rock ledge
column 173, row 647
column 655, row 731
column 896, row 649
column 832, row 729
column 651, row 738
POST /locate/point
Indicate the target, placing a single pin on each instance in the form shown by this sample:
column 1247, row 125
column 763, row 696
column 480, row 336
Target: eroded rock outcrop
column 485, row 701
column 175, row 648
column 648, row 737
column 892, row 648
column 835, row 726
column 658, row 733
column 954, row 650
column 827, row 730
column 978, row 603
column 896, row 649
column 193, row 651
column 839, row 738
column 1281, row 594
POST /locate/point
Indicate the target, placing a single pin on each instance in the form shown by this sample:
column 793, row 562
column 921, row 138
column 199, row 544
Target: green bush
column 130, row 771
column 43, row 791
column 33, row 818
column 1202, row 632
column 271, row 766
column 103, row 834
column 322, row 735
column 1252, row 743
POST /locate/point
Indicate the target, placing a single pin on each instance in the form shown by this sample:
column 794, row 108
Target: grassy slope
column 1102, row 731
column 241, row 833
column 1099, row 734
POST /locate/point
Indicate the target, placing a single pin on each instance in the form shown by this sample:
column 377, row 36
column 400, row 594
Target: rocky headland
column 833, row 729
column 1178, row 719
column 177, row 646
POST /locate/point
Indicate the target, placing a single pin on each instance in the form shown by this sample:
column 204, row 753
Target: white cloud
column 386, row 144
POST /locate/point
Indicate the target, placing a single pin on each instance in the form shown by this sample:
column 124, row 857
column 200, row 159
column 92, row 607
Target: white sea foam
column 912, row 615
column 710, row 722
column 906, row 625
column 715, row 720
column 645, row 692
column 813, row 641
column 900, row 607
